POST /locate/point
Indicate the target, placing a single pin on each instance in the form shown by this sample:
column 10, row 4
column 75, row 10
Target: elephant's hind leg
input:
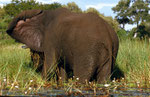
column 104, row 65
column 84, row 68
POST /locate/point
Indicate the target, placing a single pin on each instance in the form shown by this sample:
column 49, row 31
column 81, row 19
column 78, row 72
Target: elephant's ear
column 27, row 28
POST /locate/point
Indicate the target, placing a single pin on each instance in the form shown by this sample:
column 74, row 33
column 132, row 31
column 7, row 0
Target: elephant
column 82, row 45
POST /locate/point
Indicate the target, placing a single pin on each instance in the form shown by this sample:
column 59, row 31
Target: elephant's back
column 82, row 27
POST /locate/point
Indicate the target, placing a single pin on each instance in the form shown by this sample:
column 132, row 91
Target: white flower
column 77, row 78
column 30, row 88
column 4, row 79
column 122, row 78
column 31, row 81
column 107, row 85
column 25, row 92
column 16, row 87
column 114, row 81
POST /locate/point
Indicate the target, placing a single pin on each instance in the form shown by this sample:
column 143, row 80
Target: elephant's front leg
column 50, row 64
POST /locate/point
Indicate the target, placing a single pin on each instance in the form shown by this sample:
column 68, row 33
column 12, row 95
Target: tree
column 50, row 6
column 122, row 12
column 17, row 6
column 4, row 19
column 143, row 31
column 2, row 13
column 138, row 12
column 92, row 10
column 73, row 7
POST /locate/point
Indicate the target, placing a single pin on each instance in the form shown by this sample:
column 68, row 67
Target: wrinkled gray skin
column 85, row 43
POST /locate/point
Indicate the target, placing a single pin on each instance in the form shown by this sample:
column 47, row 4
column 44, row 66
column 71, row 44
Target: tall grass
column 14, row 68
column 134, row 60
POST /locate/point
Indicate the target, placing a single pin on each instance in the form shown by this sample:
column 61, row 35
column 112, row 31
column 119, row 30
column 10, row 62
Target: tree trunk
column 123, row 25
column 137, row 24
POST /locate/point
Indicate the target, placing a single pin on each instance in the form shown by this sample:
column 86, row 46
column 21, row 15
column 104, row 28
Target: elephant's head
column 28, row 28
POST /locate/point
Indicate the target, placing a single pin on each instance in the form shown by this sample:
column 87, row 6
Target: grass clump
column 15, row 72
column 134, row 60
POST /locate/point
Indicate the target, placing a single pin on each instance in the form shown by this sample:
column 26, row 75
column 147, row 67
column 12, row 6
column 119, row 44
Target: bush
column 143, row 31
column 5, row 39
column 122, row 34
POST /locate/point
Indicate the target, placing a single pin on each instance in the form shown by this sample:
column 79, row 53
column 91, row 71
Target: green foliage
column 131, row 12
column 17, row 6
column 93, row 10
column 4, row 20
column 139, row 11
column 122, row 9
column 147, row 26
column 50, row 6
column 131, row 33
column 143, row 31
column 134, row 12
column 122, row 34
column 73, row 7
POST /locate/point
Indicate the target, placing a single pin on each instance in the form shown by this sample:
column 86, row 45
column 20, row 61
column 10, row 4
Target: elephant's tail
column 114, row 53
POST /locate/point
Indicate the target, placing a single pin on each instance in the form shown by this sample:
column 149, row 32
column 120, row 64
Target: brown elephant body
column 85, row 43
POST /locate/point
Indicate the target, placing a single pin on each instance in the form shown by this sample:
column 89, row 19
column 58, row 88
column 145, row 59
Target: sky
column 103, row 6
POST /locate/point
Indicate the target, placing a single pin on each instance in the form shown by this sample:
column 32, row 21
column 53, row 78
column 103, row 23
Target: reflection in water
column 103, row 91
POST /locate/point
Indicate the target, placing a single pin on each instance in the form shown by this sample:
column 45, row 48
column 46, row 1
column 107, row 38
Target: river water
column 103, row 92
